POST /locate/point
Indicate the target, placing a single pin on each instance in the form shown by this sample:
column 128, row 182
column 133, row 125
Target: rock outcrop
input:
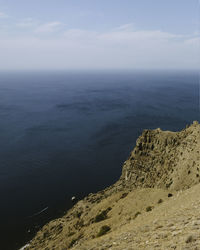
column 154, row 204
column 164, row 159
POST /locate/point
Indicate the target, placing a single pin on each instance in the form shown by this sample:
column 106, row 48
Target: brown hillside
column 154, row 205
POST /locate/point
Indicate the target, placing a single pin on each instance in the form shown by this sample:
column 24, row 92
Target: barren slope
column 173, row 224
column 137, row 210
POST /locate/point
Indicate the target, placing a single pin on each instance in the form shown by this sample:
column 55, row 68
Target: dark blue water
column 68, row 133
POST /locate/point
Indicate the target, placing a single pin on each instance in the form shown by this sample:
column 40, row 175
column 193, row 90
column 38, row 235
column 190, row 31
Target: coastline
column 154, row 148
column 42, row 167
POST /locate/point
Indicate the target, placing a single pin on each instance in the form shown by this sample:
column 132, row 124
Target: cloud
column 125, row 27
column 122, row 47
column 48, row 27
column 125, row 36
column 193, row 41
column 78, row 35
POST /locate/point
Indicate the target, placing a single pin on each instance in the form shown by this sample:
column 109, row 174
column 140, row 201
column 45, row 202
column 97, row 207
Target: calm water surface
column 68, row 133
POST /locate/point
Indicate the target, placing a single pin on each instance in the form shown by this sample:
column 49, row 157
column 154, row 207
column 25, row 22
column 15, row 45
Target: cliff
column 154, row 205
column 164, row 159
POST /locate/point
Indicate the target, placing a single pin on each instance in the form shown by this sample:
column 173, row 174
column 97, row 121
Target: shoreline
column 80, row 224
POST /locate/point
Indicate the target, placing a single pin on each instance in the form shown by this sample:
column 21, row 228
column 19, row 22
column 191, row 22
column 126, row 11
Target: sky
column 99, row 34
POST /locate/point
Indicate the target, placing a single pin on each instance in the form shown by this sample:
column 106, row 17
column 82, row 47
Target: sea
column 67, row 133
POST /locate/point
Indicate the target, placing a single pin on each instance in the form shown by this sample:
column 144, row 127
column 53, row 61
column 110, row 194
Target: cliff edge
column 154, row 205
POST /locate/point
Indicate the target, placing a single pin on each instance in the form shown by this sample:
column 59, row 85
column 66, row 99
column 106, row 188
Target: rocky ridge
column 154, row 204
column 164, row 159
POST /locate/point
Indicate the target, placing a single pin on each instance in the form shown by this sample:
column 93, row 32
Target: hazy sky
column 99, row 34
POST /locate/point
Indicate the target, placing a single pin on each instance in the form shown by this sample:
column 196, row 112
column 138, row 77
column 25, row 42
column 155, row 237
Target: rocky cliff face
column 164, row 159
column 161, row 166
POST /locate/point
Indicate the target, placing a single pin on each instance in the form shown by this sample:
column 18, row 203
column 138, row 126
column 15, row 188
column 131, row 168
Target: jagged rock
column 159, row 154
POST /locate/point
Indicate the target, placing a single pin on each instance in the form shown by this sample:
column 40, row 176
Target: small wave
column 39, row 212
column 24, row 247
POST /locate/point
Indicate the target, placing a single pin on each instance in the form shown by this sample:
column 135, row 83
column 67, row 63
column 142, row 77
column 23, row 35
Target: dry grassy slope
column 173, row 224
column 161, row 162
